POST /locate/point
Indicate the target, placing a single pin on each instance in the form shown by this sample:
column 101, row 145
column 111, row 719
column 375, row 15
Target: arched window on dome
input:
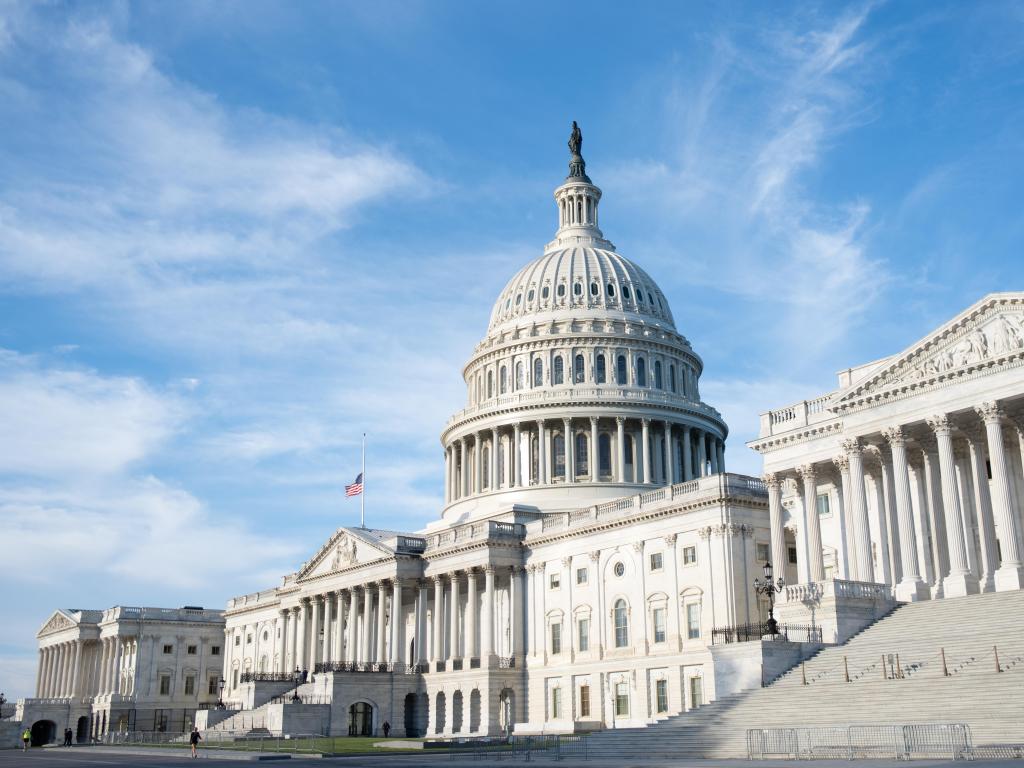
column 600, row 375
column 672, row 376
column 610, row 290
column 581, row 455
column 594, row 290
column 625, row 292
column 485, row 458
column 630, row 459
column 578, row 370
column 538, row 372
column 520, row 376
column 657, row 375
column 530, row 295
column 621, row 620
column 534, row 462
column 621, row 371
column 503, row 380
column 641, row 372
column 579, row 211
column 558, row 373
column 501, row 462
column 558, row 447
column 604, row 455
column 640, row 296
column 560, row 291
column 490, row 384
column 545, row 292
column 577, row 289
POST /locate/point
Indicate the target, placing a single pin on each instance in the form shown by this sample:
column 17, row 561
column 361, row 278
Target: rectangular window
column 621, row 700
column 556, row 703
column 234, row 678
column 584, row 633
column 190, row 686
column 556, row 638
column 792, row 555
column 168, row 649
column 661, row 695
column 211, row 689
column 659, row 625
column 584, row 701
column 165, row 685
column 823, row 508
column 248, row 639
column 763, row 553
column 238, row 640
column 581, row 575
column 689, row 555
column 215, row 650
column 192, row 650
column 696, row 692
column 657, row 561
column 554, row 581
column 693, row 621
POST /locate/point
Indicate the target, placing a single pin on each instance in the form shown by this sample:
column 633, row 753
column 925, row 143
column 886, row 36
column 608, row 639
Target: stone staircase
column 919, row 689
column 254, row 721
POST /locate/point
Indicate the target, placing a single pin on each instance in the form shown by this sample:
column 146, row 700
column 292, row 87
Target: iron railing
column 359, row 666
column 742, row 633
column 507, row 662
column 267, row 677
column 900, row 742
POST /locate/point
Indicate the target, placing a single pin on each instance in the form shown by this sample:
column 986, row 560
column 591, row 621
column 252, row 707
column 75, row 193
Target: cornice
column 812, row 432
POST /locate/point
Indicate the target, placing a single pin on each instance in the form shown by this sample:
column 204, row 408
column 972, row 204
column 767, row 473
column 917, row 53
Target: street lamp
column 769, row 588
column 297, row 677
column 220, row 693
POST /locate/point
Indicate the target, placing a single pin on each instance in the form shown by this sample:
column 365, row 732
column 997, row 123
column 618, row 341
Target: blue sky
column 234, row 236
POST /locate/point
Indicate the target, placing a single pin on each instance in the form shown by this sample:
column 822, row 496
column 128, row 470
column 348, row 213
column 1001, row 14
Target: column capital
column 940, row 424
column 670, row 540
column 990, row 412
column 436, row 579
column 620, row 419
column 852, row 446
column 772, row 480
column 806, row 472
column 646, row 423
column 490, row 569
column 895, row 436
column 705, row 532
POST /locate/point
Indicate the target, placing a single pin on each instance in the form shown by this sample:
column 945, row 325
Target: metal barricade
column 900, row 742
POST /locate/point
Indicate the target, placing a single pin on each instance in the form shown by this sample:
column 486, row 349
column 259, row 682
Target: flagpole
column 362, row 496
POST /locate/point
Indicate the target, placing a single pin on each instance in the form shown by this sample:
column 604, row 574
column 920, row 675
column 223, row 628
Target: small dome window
column 561, row 290
column 660, row 305
column 519, row 299
column 611, row 291
column 625, row 291
column 577, row 289
column 544, row 292
column 640, row 296
column 593, row 289
column 650, row 298
column 530, row 295
column 508, row 303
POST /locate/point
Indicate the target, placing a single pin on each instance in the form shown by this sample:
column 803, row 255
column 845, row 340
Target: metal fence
column 550, row 747
column 902, row 742
column 742, row 633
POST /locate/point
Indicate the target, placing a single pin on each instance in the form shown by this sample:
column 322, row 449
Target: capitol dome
column 582, row 390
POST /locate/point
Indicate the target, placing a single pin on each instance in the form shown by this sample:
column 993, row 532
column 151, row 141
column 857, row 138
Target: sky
column 234, row 236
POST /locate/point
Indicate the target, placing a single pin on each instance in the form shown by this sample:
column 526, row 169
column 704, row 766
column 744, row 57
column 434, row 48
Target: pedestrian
column 26, row 737
column 386, row 728
column 194, row 740
column 67, row 737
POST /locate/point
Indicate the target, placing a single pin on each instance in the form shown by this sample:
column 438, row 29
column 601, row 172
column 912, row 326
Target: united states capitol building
column 593, row 564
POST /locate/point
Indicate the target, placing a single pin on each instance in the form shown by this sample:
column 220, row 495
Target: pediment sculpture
column 56, row 623
column 344, row 553
column 1002, row 335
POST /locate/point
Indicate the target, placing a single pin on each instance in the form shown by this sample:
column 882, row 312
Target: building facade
column 589, row 543
column 123, row 669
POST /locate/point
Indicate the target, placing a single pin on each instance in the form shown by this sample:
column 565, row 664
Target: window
column 165, row 685
column 581, row 575
column 640, row 296
column 211, row 686
column 657, row 561
column 594, row 289
column 823, row 508
column 599, row 370
column 555, row 580
column 661, row 695
column 520, row 376
column 689, row 555
column 503, row 380
column 170, row 648
column 556, row 703
column 248, row 639
column 545, row 292
column 696, row 692
column 621, row 624
column 538, row 372
column 625, row 291
column 641, row 372
column 215, row 650
column 577, row 289
column 659, row 625
column 621, row 376
column 530, row 295
column 763, row 553
column 556, row 638
column 578, row 371
column 621, row 700
column 190, row 686
column 584, row 701
column 792, row 555
column 490, row 384
column 650, row 299
column 519, row 298
column 692, row 621
column 191, row 650
column 234, row 678
column 582, row 457
column 558, row 444
column 657, row 375
column 559, row 371
column 619, row 569
column 561, row 290
column 604, row 452
column 583, row 631
column 672, row 377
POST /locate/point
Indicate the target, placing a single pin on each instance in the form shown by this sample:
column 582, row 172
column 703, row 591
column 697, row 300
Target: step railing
column 900, row 742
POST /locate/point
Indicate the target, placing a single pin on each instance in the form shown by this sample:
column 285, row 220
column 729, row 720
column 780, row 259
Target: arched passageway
column 360, row 719
column 82, row 731
column 439, row 714
column 43, row 732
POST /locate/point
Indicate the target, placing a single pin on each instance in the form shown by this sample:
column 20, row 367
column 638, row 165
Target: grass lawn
column 326, row 745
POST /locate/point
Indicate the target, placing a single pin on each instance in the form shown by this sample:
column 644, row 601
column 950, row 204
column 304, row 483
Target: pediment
column 346, row 548
column 58, row 622
column 987, row 335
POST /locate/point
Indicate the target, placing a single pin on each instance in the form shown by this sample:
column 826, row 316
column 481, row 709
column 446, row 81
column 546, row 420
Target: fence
column 902, row 742
column 742, row 633
column 552, row 747
column 226, row 740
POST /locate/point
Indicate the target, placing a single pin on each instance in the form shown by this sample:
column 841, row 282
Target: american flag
column 356, row 488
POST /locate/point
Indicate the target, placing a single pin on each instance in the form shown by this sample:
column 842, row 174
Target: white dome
column 588, row 281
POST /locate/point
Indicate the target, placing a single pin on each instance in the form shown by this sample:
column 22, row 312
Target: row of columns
column 957, row 497
column 663, row 453
column 79, row 668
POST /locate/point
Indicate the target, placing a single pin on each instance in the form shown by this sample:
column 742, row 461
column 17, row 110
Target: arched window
column 503, row 380
column 558, row 444
column 520, row 376
column 501, row 463
column 604, row 454
column 538, row 372
column 599, row 371
column 657, row 374
column 641, row 372
column 558, row 374
column 490, row 384
column 530, row 295
column 629, row 458
column 672, row 377
column 625, row 291
column 621, row 373
column 578, row 371
column 577, row 289
column 561, row 290
column 621, row 624
column 640, row 296
column 611, row 290
column 485, row 458
column 545, row 292
column 594, row 289
column 582, row 464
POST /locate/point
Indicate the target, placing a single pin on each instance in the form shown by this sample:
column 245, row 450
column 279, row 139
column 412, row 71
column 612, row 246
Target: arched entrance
column 439, row 713
column 474, row 711
column 43, row 732
column 360, row 719
column 82, row 731
column 410, row 720
column 506, row 709
column 457, row 712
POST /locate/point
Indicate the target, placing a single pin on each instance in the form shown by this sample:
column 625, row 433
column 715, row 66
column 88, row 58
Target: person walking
column 386, row 728
column 26, row 737
column 194, row 740
column 67, row 737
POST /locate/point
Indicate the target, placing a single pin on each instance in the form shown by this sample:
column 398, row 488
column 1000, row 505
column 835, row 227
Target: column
column 76, row 663
column 702, row 454
column 365, row 652
column 453, row 650
column 463, row 474
column 570, row 451
column 314, row 631
column 337, row 631
column 45, row 659
column 101, row 684
column 352, row 652
column 301, row 662
column 115, row 671
column 397, row 620
column 470, row 633
column 514, row 458
column 281, row 642
column 493, row 482
column 517, row 594
column 986, row 522
column 487, row 627
column 421, row 623
column 382, row 597
column 447, row 475
column 960, row 580
column 720, row 444
column 325, row 655
column 933, row 501
column 1011, row 571
column 645, row 431
column 595, row 455
column 670, row 464
column 40, row 663
column 859, row 510
column 812, row 523
column 293, row 639
column 911, row 587
column 620, row 443
column 542, row 454
column 778, row 534
column 687, row 455
column 713, row 451
column 437, row 646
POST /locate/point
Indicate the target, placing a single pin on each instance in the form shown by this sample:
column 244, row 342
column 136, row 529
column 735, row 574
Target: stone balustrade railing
column 481, row 531
column 835, row 588
column 797, row 415
column 188, row 613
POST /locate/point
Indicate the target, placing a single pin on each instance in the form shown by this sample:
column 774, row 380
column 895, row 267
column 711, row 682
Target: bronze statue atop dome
column 577, row 166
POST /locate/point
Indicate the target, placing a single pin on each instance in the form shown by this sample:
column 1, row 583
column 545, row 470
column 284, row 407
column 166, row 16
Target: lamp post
column 769, row 588
column 220, row 693
column 298, row 681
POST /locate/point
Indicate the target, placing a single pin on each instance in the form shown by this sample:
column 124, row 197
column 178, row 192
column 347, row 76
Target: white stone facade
column 124, row 668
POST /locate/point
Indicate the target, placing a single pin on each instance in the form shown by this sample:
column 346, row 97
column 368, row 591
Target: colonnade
column 645, row 451
column 367, row 623
column 80, row 668
column 945, row 523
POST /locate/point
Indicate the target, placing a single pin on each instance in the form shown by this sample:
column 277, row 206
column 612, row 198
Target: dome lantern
column 577, row 201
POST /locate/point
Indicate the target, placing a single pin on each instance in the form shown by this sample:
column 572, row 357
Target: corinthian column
column 365, row 651
column 670, row 464
column 620, row 447
column 513, row 459
column 542, row 454
column 487, row 626
column 314, row 631
column 645, row 433
column 687, row 454
column 858, row 502
column 570, row 452
column 911, row 587
column 471, row 630
column 494, row 482
column 1011, row 571
column 960, row 580
column 397, row 622
column 436, row 649
column 983, row 503
column 382, row 597
column 778, row 534
column 595, row 454
column 453, row 645
column 812, row 523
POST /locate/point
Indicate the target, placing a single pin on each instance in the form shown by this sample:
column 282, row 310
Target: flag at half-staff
column 356, row 488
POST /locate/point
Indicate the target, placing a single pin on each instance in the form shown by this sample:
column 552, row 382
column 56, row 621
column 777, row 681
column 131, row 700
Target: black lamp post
column 298, row 681
column 220, row 693
column 769, row 588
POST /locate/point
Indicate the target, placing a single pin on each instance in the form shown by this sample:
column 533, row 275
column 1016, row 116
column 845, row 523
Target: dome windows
column 538, row 372
column 657, row 375
column 641, row 372
column 503, row 380
column 594, row 289
column 545, row 292
column 599, row 370
column 519, row 299
column 621, row 372
column 530, row 295
column 611, row 291
column 561, row 290
column 579, row 372
column 650, row 299
column 558, row 372
column 640, row 296
column 577, row 289
column 625, row 292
